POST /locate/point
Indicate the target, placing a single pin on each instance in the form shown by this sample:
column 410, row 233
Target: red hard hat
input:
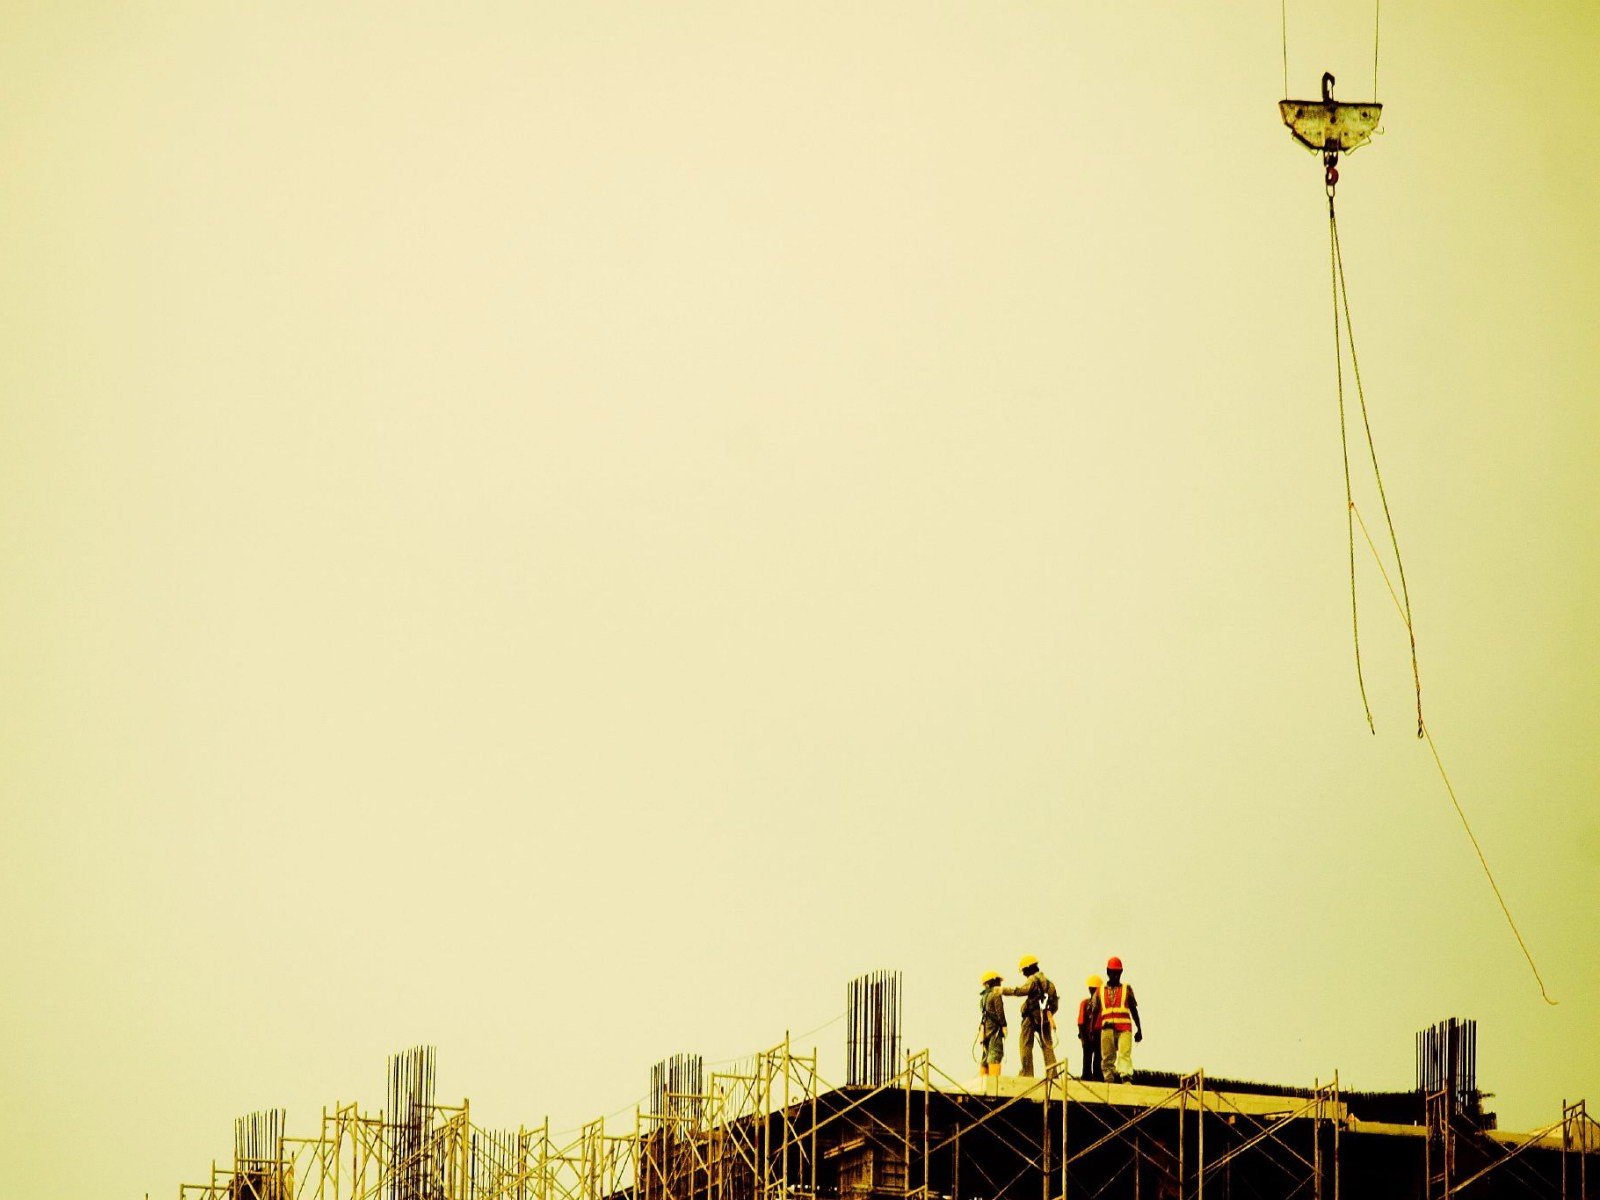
column 1113, row 963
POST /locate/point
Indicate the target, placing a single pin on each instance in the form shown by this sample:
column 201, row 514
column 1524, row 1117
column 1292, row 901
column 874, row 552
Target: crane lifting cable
column 1330, row 128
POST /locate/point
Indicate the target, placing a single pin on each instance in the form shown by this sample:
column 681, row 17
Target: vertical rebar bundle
column 677, row 1092
column 255, row 1137
column 872, row 1005
column 409, row 1121
column 257, row 1145
column 495, row 1164
column 1447, row 1062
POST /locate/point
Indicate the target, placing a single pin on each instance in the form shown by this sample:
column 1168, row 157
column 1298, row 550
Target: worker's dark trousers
column 1046, row 1043
column 1091, row 1057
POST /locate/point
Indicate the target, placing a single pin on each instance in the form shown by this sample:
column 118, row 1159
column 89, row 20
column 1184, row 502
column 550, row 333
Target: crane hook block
column 1327, row 124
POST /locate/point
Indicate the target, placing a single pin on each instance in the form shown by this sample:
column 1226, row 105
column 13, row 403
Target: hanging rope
column 1488, row 874
column 1449, row 788
column 1344, row 448
column 1342, row 304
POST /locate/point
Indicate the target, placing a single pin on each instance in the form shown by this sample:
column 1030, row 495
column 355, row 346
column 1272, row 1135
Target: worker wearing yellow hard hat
column 991, row 1025
column 1089, row 1028
column 1040, row 1000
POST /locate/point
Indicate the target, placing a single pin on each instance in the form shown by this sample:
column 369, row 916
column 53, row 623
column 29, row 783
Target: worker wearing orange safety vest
column 1089, row 1028
column 1120, row 1026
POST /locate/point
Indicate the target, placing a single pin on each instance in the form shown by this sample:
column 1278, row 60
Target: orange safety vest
column 1114, row 1010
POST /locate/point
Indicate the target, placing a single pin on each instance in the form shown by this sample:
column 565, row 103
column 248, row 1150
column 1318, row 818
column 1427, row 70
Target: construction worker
column 991, row 1025
column 1120, row 1026
column 1040, row 1000
column 1089, row 1028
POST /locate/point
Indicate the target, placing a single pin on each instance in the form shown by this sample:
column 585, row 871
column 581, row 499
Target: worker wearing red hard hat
column 1120, row 1026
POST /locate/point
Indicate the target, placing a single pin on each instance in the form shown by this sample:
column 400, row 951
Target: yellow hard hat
column 990, row 977
column 1026, row 961
column 1095, row 981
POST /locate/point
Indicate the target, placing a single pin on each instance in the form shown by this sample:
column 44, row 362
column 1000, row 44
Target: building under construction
column 898, row 1128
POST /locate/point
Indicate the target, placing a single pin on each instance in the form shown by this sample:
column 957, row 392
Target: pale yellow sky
column 567, row 531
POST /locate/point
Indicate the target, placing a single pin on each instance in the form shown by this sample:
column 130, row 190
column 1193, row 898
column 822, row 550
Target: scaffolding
column 1463, row 1155
column 773, row 1128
